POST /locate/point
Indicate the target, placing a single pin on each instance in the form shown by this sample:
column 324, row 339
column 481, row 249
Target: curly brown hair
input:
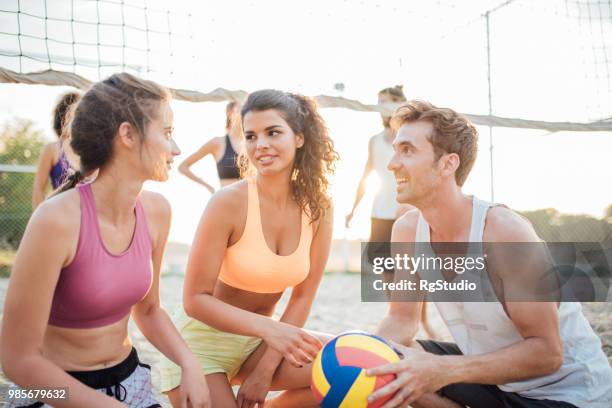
column 314, row 161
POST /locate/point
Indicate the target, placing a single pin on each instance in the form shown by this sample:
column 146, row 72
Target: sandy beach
column 337, row 308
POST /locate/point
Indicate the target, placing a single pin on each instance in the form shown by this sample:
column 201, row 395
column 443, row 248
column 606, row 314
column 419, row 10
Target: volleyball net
column 544, row 66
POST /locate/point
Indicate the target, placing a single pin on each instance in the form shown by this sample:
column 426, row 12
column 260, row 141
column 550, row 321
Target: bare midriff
column 260, row 303
column 87, row 349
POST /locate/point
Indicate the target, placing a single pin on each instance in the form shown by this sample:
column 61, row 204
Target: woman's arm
column 362, row 184
column 45, row 163
column 207, row 252
column 209, row 147
column 154, row 322
column 151, row 319
column 28, row 303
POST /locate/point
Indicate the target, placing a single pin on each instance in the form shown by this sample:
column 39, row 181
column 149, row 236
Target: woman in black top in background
column 225, row 150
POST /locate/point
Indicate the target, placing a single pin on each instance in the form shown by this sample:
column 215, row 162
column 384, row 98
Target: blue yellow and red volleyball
column 339, row 372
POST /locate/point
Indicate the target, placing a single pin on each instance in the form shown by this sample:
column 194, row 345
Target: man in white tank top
column 510, row 354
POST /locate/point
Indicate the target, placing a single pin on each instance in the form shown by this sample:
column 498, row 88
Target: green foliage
column 20, row 144
column 552, row 226
column 6, row 262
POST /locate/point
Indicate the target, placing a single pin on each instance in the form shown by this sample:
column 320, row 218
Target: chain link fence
column 20, row 147
column 553, row 226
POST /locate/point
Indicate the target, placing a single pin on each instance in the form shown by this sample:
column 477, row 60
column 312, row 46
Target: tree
column 20, row 144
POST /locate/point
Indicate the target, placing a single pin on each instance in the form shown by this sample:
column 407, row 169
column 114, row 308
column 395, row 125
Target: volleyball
column 339, row 371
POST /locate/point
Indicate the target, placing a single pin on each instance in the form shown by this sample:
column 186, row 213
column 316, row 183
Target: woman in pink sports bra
column 256, row 238
column 91, row 257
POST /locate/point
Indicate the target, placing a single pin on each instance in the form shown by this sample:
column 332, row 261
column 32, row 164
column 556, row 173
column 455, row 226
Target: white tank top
column 385, row 204
column 584, row 379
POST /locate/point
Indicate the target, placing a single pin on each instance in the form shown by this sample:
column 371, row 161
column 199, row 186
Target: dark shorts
column 380, row 237
column 483, row 395
column 128, row 382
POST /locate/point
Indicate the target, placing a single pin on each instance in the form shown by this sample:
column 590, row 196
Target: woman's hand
column 194, row 390
column 254, row 389
column 207, row 186
column 296, row 345
column 347, row 219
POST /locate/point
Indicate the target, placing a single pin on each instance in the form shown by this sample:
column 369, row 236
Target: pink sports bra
column 99, row 288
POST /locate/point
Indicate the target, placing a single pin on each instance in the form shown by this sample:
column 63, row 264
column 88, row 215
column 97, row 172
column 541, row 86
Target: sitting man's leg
column 474, row 395
column 457, row 397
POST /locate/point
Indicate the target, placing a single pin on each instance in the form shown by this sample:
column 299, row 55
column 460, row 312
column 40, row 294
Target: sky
column 437, row 50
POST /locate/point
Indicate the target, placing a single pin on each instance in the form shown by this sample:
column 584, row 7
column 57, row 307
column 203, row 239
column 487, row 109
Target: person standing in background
column 385, row 209
column 53, row 164
column 225, row 150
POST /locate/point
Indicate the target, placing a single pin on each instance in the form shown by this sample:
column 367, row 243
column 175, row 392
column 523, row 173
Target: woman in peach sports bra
column 257, row 238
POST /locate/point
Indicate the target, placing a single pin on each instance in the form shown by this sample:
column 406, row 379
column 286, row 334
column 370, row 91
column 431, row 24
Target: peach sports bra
column 250, row 265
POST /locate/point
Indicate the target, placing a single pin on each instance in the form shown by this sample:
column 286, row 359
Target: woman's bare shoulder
column 59, row 214
column 229, row 199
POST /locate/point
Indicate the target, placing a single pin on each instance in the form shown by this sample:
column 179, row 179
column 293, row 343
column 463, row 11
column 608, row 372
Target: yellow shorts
column 218, row 351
